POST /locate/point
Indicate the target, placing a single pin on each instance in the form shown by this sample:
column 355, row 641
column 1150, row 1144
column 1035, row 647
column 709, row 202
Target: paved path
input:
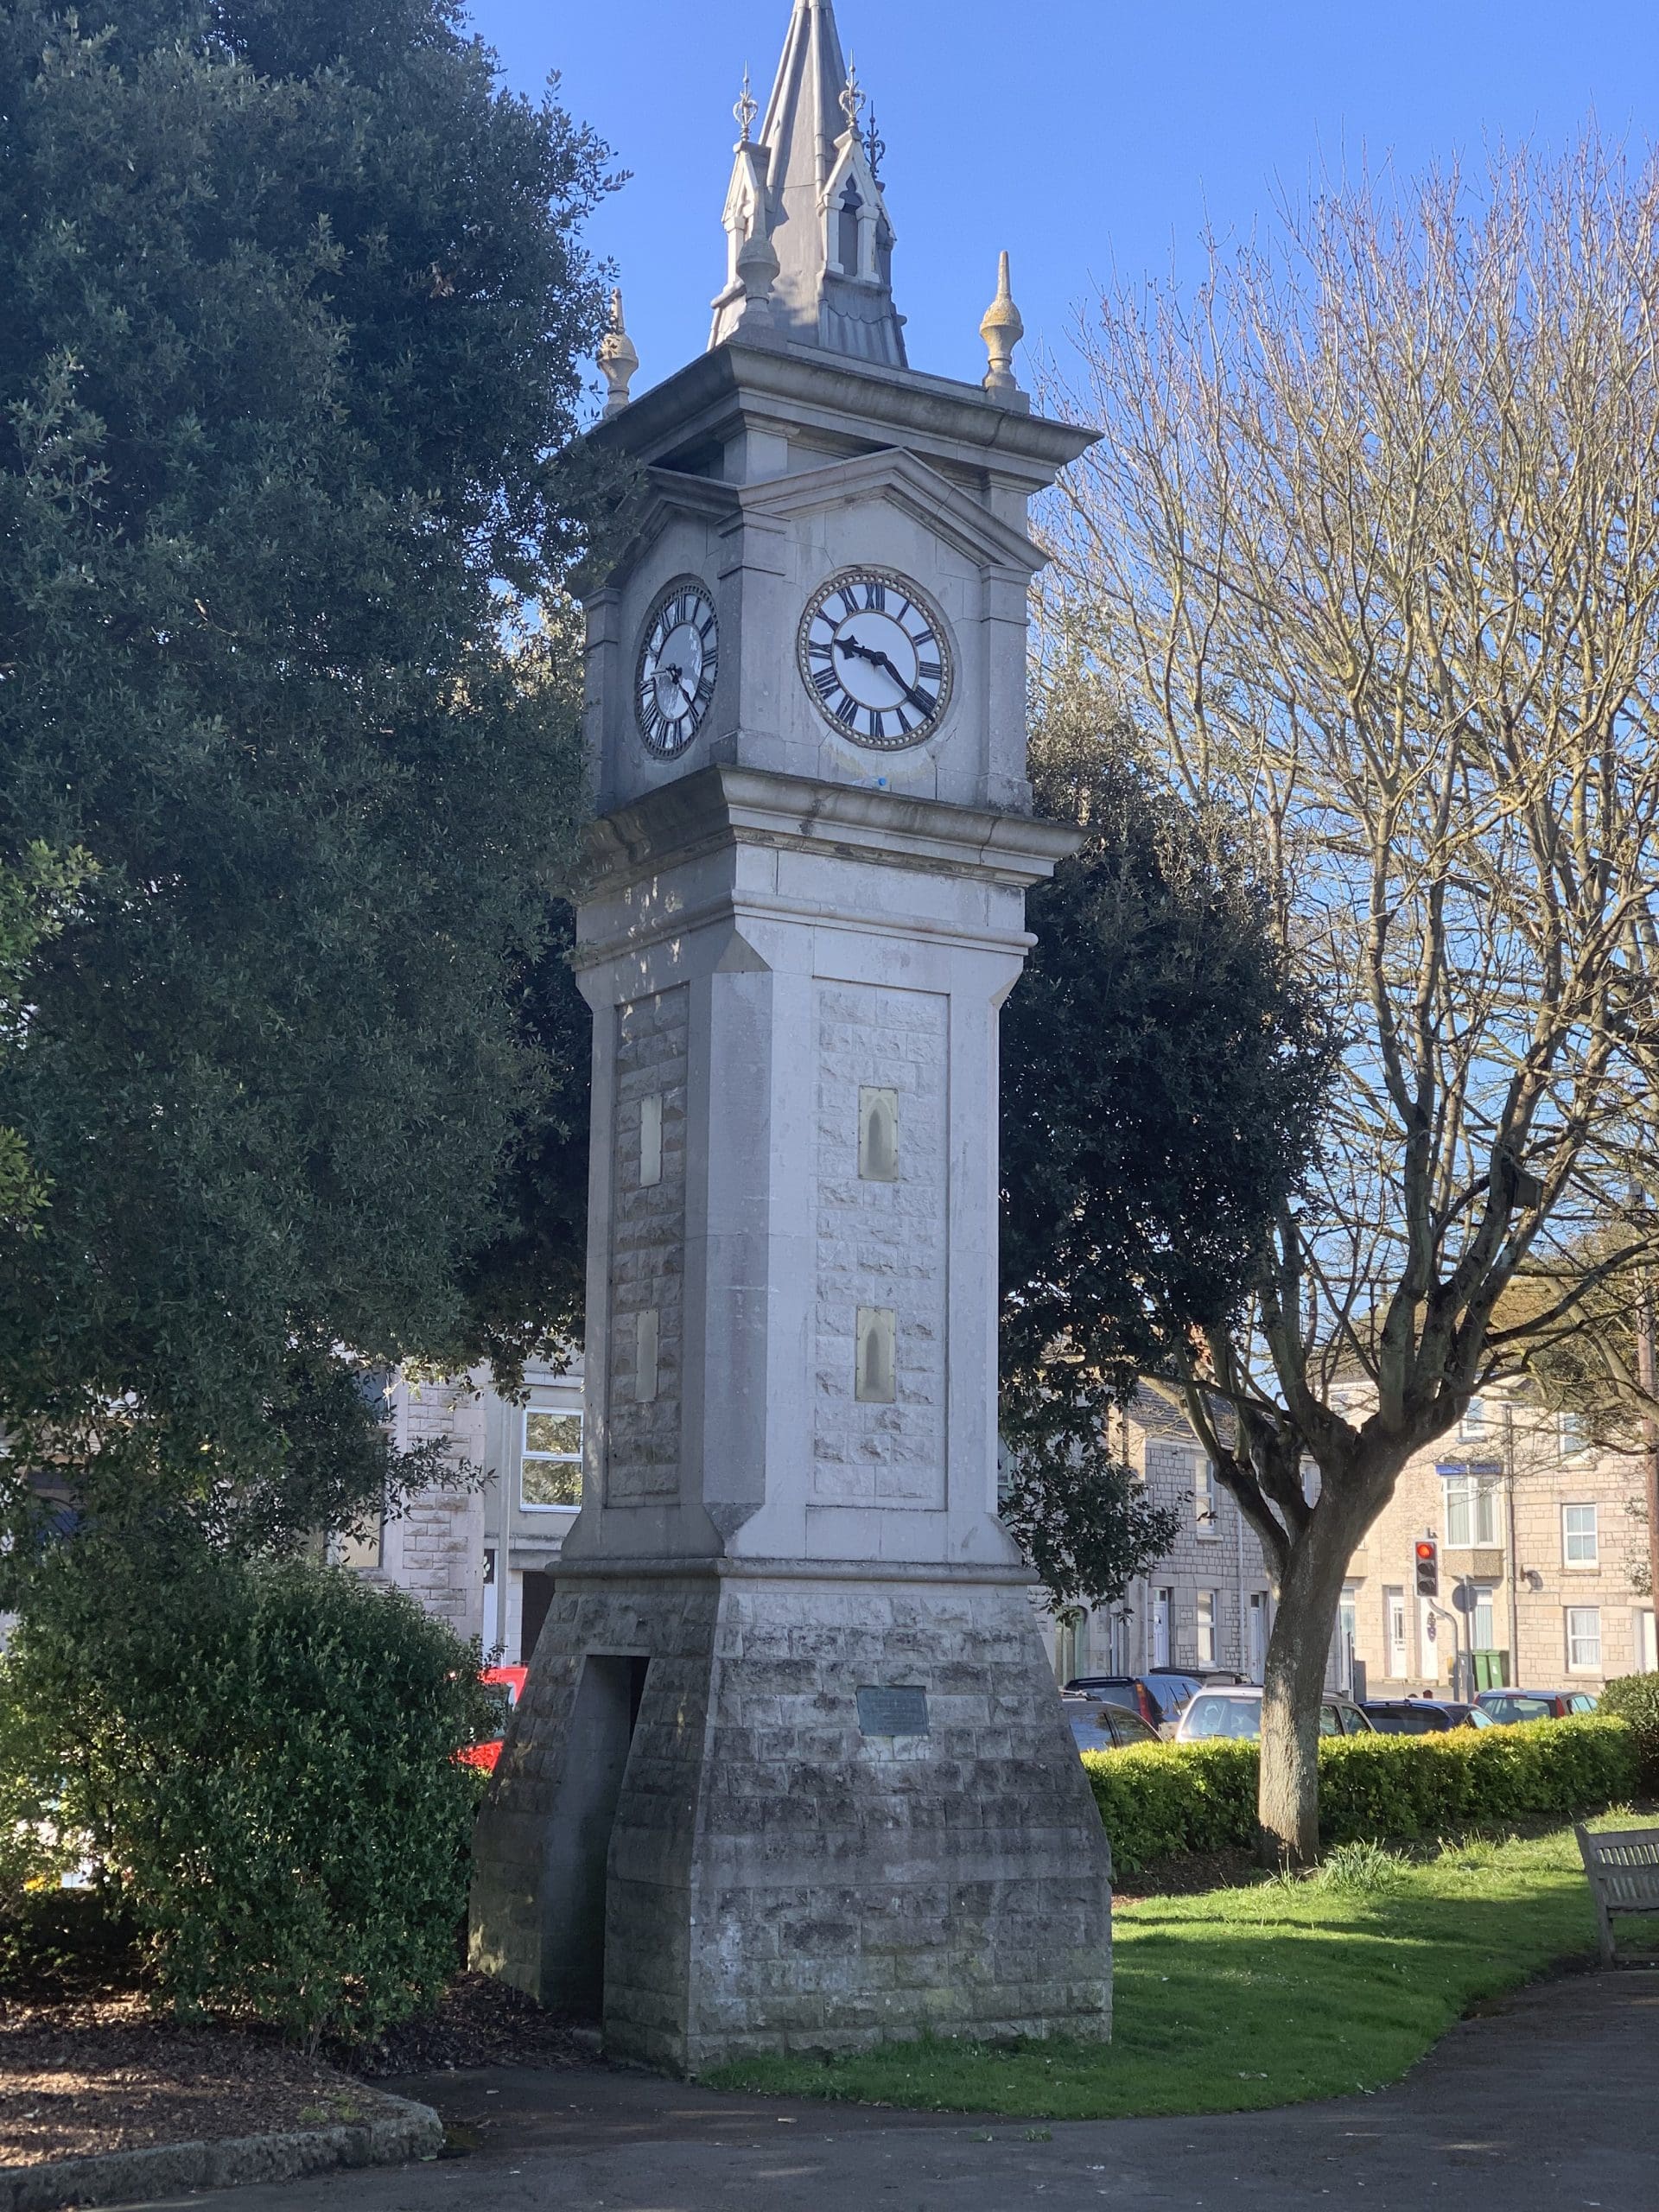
column 1548, row 2103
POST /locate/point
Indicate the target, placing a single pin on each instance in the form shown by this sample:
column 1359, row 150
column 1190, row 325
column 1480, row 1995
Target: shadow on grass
column 1250, row 1997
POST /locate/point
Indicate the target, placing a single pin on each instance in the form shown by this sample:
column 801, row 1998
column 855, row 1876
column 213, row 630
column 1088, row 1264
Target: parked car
column 507, row 1685
column 1422, row 1716
column 1236, row 1713
column 1510, row 1707
column 1099, row 1726
column 1159, row 1696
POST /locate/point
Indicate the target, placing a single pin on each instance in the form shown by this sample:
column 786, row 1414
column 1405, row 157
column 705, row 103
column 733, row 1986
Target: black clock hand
column 877, row 659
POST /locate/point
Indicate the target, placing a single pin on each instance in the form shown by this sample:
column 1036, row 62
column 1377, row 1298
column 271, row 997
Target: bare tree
column 1369, row 549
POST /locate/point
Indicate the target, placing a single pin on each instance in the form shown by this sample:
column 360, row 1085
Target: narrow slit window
column 877, row 1365
column 644, row 1358
column 852, row 206
column 651, row 1141
column 878, row 1136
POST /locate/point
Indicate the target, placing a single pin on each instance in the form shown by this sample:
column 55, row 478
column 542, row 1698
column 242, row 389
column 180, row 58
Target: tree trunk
column 1288, row 1803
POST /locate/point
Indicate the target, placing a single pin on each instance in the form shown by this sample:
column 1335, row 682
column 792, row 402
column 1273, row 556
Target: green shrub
column 1635, row 1698
column 1163, row 1798
column 260, row 1760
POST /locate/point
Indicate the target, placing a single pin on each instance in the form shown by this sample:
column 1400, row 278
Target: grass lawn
column 1266, row 1995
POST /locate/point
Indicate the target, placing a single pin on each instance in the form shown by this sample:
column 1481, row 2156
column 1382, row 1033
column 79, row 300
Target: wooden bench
column 1623, row 1865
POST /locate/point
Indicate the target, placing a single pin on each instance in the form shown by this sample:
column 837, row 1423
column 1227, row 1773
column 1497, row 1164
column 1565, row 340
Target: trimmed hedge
column 1635, row 1698
column 1163, row 1798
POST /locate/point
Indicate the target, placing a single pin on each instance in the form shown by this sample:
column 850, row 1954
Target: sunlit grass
column 1264, row 1995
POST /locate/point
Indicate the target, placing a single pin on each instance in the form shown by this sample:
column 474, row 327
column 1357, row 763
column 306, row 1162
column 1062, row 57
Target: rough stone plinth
column 775, row 1880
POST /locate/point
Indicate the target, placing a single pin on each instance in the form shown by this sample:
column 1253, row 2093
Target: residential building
column 1208, row 1602
column 480, row 1555
column 1542, row 1574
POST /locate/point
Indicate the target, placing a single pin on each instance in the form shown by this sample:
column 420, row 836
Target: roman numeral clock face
column 874, row 656
column 679, row 663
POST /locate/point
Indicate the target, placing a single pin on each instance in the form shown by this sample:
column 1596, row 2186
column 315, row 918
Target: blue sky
column 1086, row 136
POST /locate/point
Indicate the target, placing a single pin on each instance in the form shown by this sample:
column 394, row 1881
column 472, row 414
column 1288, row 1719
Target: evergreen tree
column 293, row 301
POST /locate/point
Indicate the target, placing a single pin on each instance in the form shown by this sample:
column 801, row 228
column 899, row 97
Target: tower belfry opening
column 790, row 1771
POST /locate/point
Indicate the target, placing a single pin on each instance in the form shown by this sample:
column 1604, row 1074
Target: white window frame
column 1585, row 1562
column 1206, row 1501
column 1473, row 1499
column 1572, row 1437
column 529, row 1458
column 1486, row 1604
column 1580, row 1640
column 1209, row 1629
column 1459, row 1513
column 1392, row 1648
column 1473, row 1429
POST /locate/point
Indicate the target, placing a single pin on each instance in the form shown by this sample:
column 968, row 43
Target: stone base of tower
column 700, row 1832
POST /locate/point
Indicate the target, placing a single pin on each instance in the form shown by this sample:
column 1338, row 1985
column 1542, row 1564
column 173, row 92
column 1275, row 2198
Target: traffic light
column 1428, row 1567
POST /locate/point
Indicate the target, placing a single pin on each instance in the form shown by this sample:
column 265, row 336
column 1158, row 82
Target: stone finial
column 757, row 272
column 618, row 361
column 1002, row 330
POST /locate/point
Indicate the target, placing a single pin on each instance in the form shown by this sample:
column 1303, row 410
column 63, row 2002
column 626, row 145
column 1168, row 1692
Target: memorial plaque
column 892, row 1712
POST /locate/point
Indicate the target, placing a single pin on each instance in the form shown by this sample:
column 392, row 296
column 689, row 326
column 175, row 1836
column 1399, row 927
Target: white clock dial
column 876, row 657
column 679, row 664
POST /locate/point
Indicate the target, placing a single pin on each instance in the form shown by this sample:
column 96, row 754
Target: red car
column 507, row 1684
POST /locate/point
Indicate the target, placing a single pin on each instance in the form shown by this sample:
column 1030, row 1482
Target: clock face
column 679, row 662
column 875, row 656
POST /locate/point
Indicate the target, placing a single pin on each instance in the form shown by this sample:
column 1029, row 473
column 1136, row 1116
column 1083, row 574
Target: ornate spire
column 747, row 109
column 854, row 100
column 1002, row 330
column 618, row 363
column 810, row 183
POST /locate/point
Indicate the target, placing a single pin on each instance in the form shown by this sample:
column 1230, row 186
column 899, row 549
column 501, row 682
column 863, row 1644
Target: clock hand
column 877, row 659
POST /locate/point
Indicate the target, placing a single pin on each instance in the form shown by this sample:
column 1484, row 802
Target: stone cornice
column 723, row 806
column 836, row 395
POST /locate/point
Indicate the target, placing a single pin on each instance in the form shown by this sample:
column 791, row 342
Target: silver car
column 1235, row 1714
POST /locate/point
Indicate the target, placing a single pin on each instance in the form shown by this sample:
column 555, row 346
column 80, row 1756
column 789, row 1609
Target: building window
column 1206, row 1498
column 1580, row 1536
column 1163, row 1607
column 1394, row 1634
column 1472, row 1503
column 1584, row 1639
column 550, row 1479
column 1206, row 1627
column 1472, row 1427
column 1572, row 1435
column 1482, row 1629
column 364, row 1546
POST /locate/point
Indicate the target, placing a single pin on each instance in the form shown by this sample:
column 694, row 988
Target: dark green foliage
column 1162, row 1074
column 1635, row 1698
column 527, row 1289
column 36, row 898
column 261, row 1757
column 1163, row 1798
column 293, row 307
column 1163, row 1070
column 1084, row 1522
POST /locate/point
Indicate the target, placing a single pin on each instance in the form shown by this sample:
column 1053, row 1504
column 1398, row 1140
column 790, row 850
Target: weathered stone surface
column 777, row 1880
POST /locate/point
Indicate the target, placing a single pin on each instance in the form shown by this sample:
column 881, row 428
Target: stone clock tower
column 791, row 1772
